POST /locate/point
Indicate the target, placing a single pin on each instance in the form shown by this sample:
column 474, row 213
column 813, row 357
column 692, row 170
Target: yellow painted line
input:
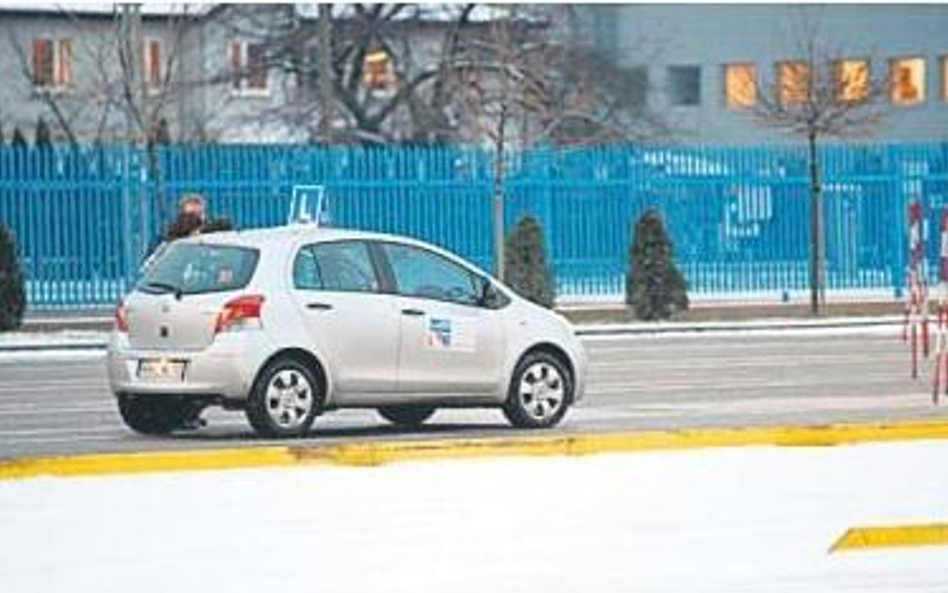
column 895, row 536
column 142, row 462
column 372, row 453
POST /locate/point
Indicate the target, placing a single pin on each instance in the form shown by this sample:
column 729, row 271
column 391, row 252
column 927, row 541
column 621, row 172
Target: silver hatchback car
column 287, row 323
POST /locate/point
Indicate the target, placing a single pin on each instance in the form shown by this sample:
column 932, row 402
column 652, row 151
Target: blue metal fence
column 739, row 217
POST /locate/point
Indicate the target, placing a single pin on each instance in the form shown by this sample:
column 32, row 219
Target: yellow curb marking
column 896, row 536
column 374, row 453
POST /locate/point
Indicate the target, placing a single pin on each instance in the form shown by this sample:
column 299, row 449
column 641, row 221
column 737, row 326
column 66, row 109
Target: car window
column 193, row 268
column 421, row 273
column 341, row 266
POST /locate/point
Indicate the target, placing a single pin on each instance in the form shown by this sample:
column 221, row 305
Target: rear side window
column 422, row 273
column 343, row 266
column 193, row 268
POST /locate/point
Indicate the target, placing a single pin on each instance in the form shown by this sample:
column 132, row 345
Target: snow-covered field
column 749, row 520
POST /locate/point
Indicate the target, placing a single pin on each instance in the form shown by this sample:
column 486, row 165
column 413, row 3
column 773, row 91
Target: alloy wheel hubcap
column 289, row 398
column 541, row 391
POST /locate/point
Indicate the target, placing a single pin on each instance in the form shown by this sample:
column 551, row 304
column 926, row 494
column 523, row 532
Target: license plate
column 161, row 369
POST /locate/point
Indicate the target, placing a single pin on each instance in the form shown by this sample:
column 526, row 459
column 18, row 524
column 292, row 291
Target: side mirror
column 490, row 297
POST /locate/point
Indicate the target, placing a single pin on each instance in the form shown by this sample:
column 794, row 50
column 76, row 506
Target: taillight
column 121, row 318
column 238, row 311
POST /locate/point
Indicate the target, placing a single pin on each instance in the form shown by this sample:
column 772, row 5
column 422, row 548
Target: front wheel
column 285, row 399
column 407, row 416
column 540, row 392
column 156, row 415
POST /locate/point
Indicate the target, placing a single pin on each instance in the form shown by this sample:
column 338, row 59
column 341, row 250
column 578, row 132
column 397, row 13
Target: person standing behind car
column 190, row 220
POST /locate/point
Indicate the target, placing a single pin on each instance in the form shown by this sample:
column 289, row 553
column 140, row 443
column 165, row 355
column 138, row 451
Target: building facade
column 212, row 73
column 225, row 73
column 705, row 63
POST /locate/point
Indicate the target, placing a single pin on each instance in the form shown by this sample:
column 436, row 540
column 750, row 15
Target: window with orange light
column 793, row 82
column 377, row 71
column 907, row 81
column 852, row 80
column 740, row 85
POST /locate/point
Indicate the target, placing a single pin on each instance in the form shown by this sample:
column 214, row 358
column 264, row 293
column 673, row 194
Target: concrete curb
column 381, row 453
column 627, row 329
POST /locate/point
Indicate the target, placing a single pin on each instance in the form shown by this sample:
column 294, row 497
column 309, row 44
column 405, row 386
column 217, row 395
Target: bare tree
column 526, row 83
column 115, row 92
column 64, row 115
column 821, row 94
column 327, row 101
column 128, row 89
column 362, row 73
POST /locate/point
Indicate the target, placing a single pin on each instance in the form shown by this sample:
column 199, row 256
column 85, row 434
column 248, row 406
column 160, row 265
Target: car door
column 349, row 321
column 450, row 345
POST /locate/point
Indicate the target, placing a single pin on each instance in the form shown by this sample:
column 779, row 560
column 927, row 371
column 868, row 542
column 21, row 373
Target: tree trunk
column 326, row 98
column 498, row 203
column 817, row 294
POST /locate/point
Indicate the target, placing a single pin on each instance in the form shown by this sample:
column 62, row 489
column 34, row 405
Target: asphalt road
column 63, row 406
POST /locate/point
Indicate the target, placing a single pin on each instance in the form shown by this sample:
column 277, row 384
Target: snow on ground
column 744, row 519
column 778, row 330
column 52, row 355
column 56, row 338
column 70, row 339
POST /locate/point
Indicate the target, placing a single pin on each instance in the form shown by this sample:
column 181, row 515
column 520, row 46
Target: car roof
column 264, row 236
column 293, row 234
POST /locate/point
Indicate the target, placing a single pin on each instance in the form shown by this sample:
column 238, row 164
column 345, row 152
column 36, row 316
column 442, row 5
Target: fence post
column 127, row 224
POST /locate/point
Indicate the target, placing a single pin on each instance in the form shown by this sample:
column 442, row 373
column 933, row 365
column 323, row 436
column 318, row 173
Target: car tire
column 155, row 415
column 285, row 399
column 407, row 416
column 540, row 392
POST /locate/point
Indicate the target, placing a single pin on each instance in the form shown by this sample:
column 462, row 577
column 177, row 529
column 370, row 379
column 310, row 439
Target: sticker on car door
column 451, row 334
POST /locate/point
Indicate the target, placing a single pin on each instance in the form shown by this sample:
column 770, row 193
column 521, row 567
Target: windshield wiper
column 165, row 287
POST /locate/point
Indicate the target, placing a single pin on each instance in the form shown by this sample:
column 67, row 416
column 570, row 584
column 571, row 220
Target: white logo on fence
column 309, row 204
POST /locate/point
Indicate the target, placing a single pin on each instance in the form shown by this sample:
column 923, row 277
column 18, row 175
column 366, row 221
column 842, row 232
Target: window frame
column 149, row 65
column 943, row 60
column 61, row 74
column 387, row 82
column 477, row 280
column 755, row 86
column 379, row 277
column 681, row 68
column 838, row 90
column 923, row 87
column 240, row 72
column 779, row 82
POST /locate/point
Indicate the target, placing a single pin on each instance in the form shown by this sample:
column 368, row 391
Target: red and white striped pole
column 915, row 327
column 941, row 330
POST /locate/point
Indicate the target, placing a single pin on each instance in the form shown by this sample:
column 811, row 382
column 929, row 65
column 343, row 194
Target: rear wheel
column 157, row 415
column 540, row 392
column 407, row 416
column 285, row 399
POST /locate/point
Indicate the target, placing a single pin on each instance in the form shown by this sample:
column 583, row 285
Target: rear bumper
column 226, row 368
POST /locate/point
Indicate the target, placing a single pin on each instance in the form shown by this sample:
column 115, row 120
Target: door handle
column 413, row 312
column 319, row 306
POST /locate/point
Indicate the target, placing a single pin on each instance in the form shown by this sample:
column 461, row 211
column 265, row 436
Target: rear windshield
column 192, row 268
